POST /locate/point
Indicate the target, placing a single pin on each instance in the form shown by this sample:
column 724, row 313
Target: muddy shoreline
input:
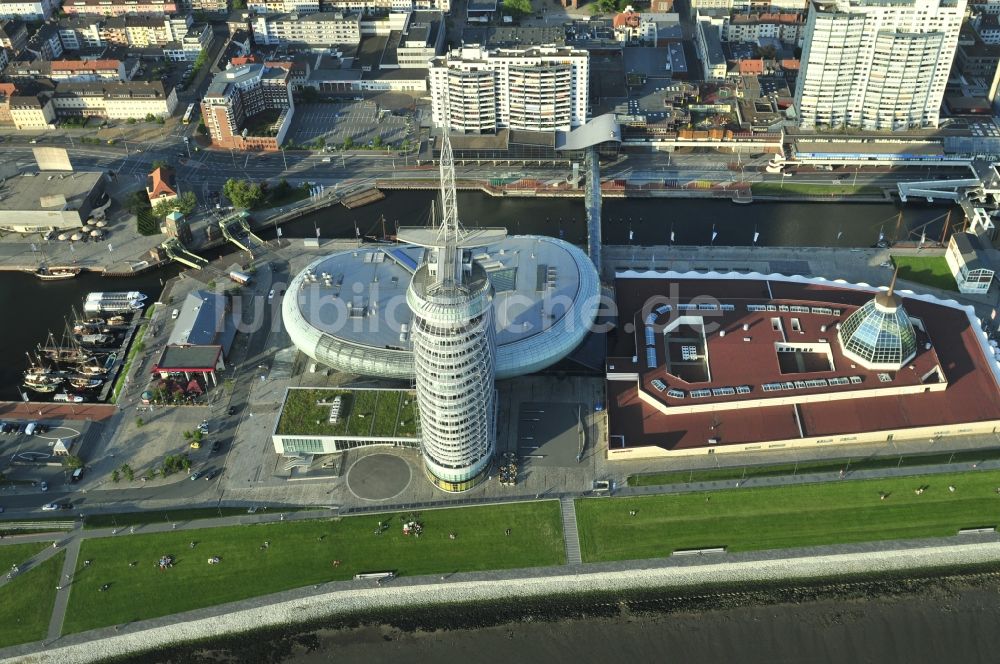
column 938, row 615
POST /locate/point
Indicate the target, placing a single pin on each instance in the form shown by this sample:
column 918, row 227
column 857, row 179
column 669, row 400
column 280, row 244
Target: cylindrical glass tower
column 454, row 357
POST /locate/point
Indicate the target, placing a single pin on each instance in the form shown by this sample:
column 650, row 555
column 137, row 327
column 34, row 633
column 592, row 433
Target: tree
column 115, row 476
column 377, row 143
column 604, row 7
column 72, row 462
column 348, row 143
column 517, row 6
column 160, row 163
column 243, row 193
column 238, row 5
column 185, row 204
column 137, row 202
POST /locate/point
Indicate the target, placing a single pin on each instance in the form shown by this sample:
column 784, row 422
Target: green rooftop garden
column 368, row 413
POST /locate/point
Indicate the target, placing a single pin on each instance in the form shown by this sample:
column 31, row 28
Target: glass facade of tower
column 879, row 336
column 454, row 356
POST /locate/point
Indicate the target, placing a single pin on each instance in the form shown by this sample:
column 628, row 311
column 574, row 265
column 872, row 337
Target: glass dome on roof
column 879, row 334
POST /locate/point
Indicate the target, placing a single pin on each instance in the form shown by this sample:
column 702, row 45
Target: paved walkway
column 65, row 583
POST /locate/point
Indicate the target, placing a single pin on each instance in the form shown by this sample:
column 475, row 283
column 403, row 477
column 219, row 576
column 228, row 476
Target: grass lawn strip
column 781, row 517
column 362, row 413
column 927, row 270
column 27, row 602
column 300, row 554
column 822, row 466
column 15, row 554
column 133, row 351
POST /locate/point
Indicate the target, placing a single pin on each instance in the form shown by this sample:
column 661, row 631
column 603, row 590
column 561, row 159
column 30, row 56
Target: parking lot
column 31, row 458
column 361, row 121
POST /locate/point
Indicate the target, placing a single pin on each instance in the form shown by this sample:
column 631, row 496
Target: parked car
column 231, row 411
column 195, row 475
column 212, row 474
column 270, row 296
column 216, row 446
column 50, row 507
column 44, row 486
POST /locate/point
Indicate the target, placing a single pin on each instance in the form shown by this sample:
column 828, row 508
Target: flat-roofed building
column 313, row 31
column 539, row 88
column 709, row 42
column 249, row 107
column 722, row 363
column 876, row 65
column 45, row 201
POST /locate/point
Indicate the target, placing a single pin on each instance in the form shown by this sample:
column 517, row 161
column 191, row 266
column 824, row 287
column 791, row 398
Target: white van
column 326, row 160
column 30, row 429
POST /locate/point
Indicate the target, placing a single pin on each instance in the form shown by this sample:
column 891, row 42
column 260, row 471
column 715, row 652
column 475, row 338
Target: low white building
column 709, row 42
column 969, row 263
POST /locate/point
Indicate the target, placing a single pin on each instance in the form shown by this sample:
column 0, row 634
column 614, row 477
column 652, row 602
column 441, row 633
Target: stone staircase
column 571, row 538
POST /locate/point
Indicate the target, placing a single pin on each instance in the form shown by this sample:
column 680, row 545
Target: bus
column 188, row 114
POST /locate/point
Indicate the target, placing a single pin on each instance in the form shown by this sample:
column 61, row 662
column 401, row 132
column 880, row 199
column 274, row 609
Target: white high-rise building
column 454, row 344
column 538, row 88
column 876, row 65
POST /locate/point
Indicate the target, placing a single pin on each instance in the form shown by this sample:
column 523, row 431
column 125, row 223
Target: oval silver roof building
column 349, row 311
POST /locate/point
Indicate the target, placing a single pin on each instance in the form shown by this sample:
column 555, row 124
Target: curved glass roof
column 349, row 310
column 879, row 334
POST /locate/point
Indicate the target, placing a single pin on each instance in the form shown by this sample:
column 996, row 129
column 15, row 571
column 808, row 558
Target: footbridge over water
column 588, row 140
column 236, row 229
column 978, row 197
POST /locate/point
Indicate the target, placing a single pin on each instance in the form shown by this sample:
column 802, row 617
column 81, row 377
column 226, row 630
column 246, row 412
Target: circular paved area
column 379, row 476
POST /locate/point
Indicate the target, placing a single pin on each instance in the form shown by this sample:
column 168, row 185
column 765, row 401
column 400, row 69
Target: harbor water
column 36, row 308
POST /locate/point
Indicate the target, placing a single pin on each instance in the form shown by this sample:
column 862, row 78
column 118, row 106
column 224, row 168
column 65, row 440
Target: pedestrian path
column 571, row 537
column 29, row 564
column 65, row 583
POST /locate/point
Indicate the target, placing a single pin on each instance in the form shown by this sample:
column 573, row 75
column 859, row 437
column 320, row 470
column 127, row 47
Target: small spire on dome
column 892, row 284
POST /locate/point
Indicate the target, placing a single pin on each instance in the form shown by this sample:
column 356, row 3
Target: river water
column 35, row 308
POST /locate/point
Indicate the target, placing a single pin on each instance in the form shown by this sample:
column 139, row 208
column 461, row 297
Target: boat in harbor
column 43, row 383
column 116, row 303
column 116, row 321
column 85, row 382
column 56, row 274
column 96, row 339
column 65, row 397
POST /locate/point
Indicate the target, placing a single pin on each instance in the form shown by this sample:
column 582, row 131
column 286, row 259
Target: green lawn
column 928, row 270
column 300, row 554
column 26, row 602
column 773, row 518
column 823, row 466
column 362, row 413
column 15, row 554
column 792, row 188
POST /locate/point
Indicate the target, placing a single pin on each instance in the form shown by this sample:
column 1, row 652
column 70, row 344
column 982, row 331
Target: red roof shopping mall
column 714, row 363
